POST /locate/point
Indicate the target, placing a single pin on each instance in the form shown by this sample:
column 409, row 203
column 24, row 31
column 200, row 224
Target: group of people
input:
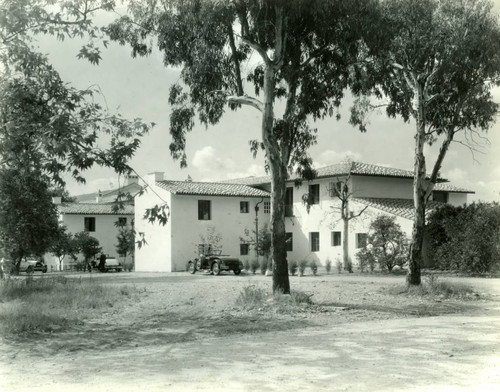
column 102, row 263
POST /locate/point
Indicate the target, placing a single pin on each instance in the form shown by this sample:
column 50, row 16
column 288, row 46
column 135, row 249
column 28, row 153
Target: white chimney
column 155, row 176
column 132, row 179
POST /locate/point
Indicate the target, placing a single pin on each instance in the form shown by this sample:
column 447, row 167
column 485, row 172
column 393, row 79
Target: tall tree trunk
column 419, row 192
column 278, row 171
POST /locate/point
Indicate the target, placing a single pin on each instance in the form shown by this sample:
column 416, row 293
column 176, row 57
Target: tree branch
column 246, row 100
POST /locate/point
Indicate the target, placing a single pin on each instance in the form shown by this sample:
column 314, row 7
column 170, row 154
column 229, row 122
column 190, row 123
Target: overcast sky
column 139, row 88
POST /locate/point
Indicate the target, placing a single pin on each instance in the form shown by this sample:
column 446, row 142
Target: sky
column 138, row 87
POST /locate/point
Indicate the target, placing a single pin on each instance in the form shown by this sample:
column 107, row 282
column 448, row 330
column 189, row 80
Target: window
column 289, row 242
column 314, row 194
column 267, row 207
column 361, row 239
column 244, row 248
column 336, row 238
column 122, row 222
column 244, row 208
column 204, row 210
column 335, row 188
column 314, row 240
column 440, row 196
column 289, row 202
column 89, row 223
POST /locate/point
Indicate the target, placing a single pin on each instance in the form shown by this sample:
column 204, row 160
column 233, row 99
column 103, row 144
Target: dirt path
column 454, row 353
column 362, row 352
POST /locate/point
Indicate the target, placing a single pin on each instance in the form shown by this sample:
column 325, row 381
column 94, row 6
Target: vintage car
column 31, row 264
column 112, row 264
column 213, row 262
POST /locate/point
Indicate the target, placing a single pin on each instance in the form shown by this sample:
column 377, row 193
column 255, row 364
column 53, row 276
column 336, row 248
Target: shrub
column 328, row 266
column 263, row 266
column 251, row 297
column 302, row 267
column 386, row 245
column 338, row 265
column 433, row 286
column 314, row 267
column 292, row 267
column 466, row 238
column 246, row 265
column 254, row 266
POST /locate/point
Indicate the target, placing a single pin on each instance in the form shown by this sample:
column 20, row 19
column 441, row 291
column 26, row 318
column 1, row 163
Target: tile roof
column 400, row 207
column 94, row 209
column 211, row 189
column 339, row 169
column 447, row 187
column 110, row 194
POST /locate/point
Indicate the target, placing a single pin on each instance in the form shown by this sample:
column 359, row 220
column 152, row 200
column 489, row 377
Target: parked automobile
column 213, row 262
column 32, row 264
column 112, row 264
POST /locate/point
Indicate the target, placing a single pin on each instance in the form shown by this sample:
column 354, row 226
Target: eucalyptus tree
column 299, row 53
column 441, row 60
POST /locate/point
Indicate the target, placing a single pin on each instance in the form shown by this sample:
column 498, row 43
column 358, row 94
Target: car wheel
column 237, row 271
column 44, row 270
column 216, row 268
column 191, row 268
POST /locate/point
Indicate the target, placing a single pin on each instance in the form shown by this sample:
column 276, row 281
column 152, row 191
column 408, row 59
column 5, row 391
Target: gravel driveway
column 357, row 340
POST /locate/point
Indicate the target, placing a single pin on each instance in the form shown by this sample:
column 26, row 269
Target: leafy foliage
column 125, row 241
column 28, row 219
column 307, row 55
column 466, row 238
column 386, row 244
column 63, row 244
column 87, row 245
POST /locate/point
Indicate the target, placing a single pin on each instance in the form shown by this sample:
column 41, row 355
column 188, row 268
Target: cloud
column 456, row 175
column 206, row 160
column 329, row 157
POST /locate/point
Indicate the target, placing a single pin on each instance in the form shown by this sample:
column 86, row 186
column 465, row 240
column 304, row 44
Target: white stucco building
column 314, row 234
column 195, row 210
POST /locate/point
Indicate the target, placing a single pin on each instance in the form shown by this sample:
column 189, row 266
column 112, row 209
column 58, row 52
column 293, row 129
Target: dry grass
column 50, row 304
column 433, row 286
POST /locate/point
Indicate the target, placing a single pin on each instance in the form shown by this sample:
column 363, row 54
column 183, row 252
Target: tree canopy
column 439, row 63
column 249, row 52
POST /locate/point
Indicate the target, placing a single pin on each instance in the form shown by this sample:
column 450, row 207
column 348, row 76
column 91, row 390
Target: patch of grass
column 436, row 287
column 51, row 304
column 254, row 298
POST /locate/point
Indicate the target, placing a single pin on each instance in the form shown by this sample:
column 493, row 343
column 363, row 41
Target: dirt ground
column 184, row 333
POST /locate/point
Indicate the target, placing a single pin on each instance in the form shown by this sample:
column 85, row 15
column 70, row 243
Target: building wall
column 226, row 220
column 156, row 254
column 105, row 232
column 325, row 217
column 170, row 247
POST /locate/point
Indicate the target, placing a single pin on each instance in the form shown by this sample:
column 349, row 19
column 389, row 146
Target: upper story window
column 314, row 240
column 314, row 194
column 267, row 207
column 122, row 221
column 244, row 207
column 204, row 210
column 336, row 238
column 89, row 223
column 289, row 202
